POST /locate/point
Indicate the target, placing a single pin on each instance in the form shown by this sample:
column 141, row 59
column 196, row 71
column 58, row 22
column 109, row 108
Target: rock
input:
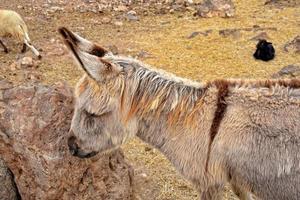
column 293, row 45
column 193, row 34
column 114, row 49
column 147, row 148
column 5, row 84
column 55, row 9
column 144, row 54
column 26, row 62
column 8, row 189
column 106, row 20
column 290, row 71
column 261, row 36
column 132, row 16
column 118, row 23
column 280, row 3
column 190, row 9
column 235, row 33
column 196, row 33
column 32, row 76
column 211, row 8
column 34, row 125
column 121, row 8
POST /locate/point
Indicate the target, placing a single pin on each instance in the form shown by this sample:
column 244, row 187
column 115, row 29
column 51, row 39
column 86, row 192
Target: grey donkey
column 245, row 133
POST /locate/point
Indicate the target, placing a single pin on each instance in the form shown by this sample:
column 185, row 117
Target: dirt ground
column 162, row 41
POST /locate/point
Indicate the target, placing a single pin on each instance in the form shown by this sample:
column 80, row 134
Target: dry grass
column 165, row 38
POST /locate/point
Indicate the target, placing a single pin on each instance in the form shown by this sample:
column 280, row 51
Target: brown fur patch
column 82, row 87
column 98, row 51
column 223, row 90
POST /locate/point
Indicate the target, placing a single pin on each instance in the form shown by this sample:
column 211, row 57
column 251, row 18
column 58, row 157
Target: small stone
column 235, row 33
column 55, row 9
column 293, row 45
column 131, row 16
column 131, row 12
column 26, row 62
column 190, row 9
column 148, row 148
column 1, row 99
column 193, row 34
column 118, row 23
column 143, row 54
column 121, row 8
column 32, row 76
column 113, row 49
column 106, row 20
column 52, row 40
column 13, row 66
column 165, row 22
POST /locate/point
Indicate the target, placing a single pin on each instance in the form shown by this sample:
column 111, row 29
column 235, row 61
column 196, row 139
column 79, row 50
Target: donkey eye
column 93, row 115
column 89, row 114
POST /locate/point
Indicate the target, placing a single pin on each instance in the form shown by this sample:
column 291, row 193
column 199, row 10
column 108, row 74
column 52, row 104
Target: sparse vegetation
column 163, row 41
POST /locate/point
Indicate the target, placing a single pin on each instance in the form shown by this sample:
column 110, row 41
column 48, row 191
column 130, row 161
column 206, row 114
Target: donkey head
column 97, row 123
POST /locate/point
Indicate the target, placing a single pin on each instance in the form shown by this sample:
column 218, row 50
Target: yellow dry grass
column 165, row 38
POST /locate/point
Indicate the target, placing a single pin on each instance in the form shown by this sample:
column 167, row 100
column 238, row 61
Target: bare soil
column 164, row 41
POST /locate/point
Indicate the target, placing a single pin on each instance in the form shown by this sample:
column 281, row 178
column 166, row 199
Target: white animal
column 12, row 25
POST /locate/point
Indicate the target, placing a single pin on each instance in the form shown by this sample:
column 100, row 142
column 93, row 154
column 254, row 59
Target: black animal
column 264, row 51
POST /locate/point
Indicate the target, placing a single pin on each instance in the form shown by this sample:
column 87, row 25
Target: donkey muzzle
column 76, row 151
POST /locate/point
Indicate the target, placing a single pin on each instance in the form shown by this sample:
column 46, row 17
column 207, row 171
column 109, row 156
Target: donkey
column 245, row 133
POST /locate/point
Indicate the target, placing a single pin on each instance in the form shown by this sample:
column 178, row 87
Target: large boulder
column 211, row 8
column 34, row 125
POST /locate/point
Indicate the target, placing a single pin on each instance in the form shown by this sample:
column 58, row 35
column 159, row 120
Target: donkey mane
column 157, row 92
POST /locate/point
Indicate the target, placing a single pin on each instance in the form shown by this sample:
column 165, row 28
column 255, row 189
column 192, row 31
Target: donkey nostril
column 73, row 147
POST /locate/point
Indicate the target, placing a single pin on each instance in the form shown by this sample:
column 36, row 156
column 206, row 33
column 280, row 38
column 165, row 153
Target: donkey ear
column 87, row 54
column 94, row 66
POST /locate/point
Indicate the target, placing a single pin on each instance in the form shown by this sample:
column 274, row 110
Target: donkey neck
column 180, row 143
column 185, row 149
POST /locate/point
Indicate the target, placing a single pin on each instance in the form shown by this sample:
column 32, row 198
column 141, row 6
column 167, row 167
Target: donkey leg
column 24, row 48
column 4, row 47
column 241, row 193
column 213, row 192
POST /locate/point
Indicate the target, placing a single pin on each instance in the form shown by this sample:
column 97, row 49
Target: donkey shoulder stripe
column 222, row 86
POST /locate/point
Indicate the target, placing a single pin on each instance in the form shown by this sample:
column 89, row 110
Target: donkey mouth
column 77, row 152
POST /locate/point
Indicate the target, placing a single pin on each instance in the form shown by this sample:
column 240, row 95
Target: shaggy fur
column 12, row 25
column 245, row 133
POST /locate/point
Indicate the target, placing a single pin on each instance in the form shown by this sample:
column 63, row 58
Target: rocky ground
column 173, row 36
